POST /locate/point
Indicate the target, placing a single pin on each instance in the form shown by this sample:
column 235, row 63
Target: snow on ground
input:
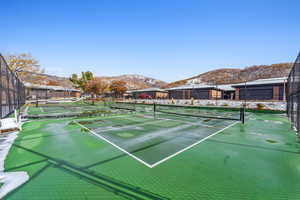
column 268, row 105
column 10, row 180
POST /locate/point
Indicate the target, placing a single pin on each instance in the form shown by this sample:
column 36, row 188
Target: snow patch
column 268, row 105
column 10, row 180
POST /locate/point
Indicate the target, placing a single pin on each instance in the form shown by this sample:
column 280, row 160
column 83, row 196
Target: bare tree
column 23, row 63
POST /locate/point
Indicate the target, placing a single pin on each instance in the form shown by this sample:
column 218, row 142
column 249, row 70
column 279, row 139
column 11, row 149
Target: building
column 149, row 93
column 35, row 91
column 202, row 91
column 228, row 92
column 261, row 89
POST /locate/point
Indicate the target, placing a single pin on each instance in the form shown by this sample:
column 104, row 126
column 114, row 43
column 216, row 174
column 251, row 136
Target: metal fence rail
column 293, row 95
column 12, row 90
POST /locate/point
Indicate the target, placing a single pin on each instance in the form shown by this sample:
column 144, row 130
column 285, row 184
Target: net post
column 243, row 114
column 154, row 110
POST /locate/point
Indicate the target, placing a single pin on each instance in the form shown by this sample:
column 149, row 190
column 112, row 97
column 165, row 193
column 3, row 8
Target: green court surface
column 152, row 140
column 257, row 160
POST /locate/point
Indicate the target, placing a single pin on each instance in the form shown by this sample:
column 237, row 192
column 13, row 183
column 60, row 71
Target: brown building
column 35, row 91
column 201, row 91
column 261, row 89
column 149, row 93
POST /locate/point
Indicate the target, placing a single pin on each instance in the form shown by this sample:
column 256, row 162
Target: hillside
column 219, row 76
column 45, row 79
column 136, row 81
column 133, row 81
column 233, row 75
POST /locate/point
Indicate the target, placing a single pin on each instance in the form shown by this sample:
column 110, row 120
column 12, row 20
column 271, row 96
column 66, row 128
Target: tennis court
column 64, row 161
column 152, row 138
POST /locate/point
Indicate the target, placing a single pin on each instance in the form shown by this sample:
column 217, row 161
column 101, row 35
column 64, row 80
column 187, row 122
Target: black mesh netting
column 12, row 90
column 293, row 95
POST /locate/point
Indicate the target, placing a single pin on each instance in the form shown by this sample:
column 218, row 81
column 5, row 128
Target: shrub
column 260, row 106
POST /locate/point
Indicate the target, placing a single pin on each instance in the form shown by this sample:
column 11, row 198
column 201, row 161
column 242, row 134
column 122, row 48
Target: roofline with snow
column 226, row 87
column 268, row 81
column 149, row 90
column 49, row 87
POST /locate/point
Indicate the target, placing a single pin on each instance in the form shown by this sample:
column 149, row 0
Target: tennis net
column 122, row 106
column 198, row 112
column 66, row 109
column 139, row 107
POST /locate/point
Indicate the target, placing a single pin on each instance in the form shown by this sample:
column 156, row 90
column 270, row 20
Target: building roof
column 149, row 90
column 227, row 87
column 203, row 86
column 49, row 87
column 263, row 81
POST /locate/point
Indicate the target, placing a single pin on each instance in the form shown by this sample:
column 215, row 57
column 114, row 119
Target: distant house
column 149, row 93
column 201, row 91
column 261, row 89
column 35, row 91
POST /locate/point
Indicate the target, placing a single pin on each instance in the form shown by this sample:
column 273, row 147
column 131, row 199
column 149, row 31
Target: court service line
column 182, row 150
column 163, row 160
column 106, row 140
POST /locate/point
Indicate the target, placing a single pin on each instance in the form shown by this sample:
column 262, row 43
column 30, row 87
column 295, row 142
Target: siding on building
column 261, row 92
column 201, row 92
column 263, row 89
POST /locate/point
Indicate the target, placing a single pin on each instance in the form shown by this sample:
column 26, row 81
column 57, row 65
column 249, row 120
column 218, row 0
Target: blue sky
column 168, row 40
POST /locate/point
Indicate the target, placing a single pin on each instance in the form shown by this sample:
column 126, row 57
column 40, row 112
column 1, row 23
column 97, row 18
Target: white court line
column 163, row 160
column 182, row 150
column 138, row 159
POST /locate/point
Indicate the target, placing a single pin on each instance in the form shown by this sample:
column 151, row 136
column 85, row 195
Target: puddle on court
column 271, row 141
column 158, row 139
column 125, row 135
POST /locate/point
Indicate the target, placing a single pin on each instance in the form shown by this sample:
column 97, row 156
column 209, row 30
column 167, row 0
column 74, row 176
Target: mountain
column 233, row 75
column 135, row 81
column 45, row 79
column 219, row 76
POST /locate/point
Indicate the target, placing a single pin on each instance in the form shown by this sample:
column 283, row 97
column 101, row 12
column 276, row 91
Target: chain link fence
column 293, row 95
column 12, row 90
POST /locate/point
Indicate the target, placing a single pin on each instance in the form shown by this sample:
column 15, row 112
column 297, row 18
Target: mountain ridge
column 217, row 76
column 133, row 81
column 236, row 75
